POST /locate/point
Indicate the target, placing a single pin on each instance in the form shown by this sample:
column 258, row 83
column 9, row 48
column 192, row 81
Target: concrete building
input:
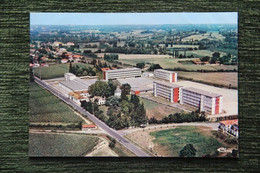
column 166, row 90
column 122, row 73
column 73, row 83
column 229, row 127
column 165, row 75
column 79, row 96
column 205, row 101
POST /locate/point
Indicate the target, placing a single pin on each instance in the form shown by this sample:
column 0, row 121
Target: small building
column 79, row 96
column 230, row 127
column 44, row 58
column 88, row 126
column 63, row 61
column 165, row 75
column 99, row 100
column 69, row 76
column 166, row 90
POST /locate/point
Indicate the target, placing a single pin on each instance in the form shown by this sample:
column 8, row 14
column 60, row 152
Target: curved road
column 113, row 133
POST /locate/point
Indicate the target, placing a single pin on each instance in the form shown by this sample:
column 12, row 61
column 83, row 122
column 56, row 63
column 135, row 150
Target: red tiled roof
column 77, row 56
column 229, row 122
column 104, row 69
column 89, row 126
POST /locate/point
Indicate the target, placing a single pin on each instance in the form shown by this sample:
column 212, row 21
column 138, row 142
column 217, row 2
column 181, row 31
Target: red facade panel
column 137, row 92
column 217, row 106
column 175, row 95
column 173, row 77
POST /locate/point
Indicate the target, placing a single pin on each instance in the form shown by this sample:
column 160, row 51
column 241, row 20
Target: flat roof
column 78, row 84
column 167, row 71
column 124, row 69
column 202, row 92
column 167, row 84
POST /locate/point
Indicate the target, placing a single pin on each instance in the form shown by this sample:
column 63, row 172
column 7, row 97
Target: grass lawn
column 41, row 144
column 173, row 140
column 220, row 78
column 156, row 110
column 45, row 107
column 55, row 71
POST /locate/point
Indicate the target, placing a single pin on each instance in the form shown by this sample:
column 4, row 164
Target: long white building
column 165, row 75
column 205, row 101
column 166, row 90
column 122, row 73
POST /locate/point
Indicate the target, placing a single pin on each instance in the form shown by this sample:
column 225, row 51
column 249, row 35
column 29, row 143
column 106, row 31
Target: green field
column 220, row 78
column 45, row 107
column 41, row 144
column 175, row 139
column 54, row 71
column 170, row 63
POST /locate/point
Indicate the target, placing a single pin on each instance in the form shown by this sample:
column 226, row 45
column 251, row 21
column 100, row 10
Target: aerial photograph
column 133, row 85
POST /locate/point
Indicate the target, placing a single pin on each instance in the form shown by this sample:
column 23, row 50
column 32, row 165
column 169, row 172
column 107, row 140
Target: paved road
column 113, row 133
column 214, row 126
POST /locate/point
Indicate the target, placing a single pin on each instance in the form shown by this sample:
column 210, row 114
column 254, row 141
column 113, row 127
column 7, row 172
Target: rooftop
column 162, row 70
column 125, row 69
column 230, row 122
column 89, row 126
column 78, row 84
column 202, row 92
column 167, row 84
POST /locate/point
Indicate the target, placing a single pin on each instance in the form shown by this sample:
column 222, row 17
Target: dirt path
column 102, row 149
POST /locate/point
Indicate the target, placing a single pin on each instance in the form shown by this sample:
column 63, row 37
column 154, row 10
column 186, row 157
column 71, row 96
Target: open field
column 200, row 53
column 156, row 110
column 220, row 78
column 214, row 36
column 45, row 107
column 58, row 145
column 54, row 71
column 230, row 96
column 170, row 63
column 170, row 142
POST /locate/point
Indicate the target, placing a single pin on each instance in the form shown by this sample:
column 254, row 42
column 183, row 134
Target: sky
column 132, row 18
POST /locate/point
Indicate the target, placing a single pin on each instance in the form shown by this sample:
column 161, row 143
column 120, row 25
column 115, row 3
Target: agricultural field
column 54, row 71
column 170, row 142
column 59, row 145
column 45, row 107
column 200, row 53
column 220, row 78
column 156, row 110
column 170, row 63
column 214, row 36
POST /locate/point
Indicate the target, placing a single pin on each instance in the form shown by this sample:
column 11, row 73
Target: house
column 88, row 126
column 63, row 61
column 44, row 58
column 99, row 100
column 79, row 96
column 229, row 127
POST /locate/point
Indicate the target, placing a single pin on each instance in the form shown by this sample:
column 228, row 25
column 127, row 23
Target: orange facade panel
column 175, row 95
column 173, row 77
column 217, row 106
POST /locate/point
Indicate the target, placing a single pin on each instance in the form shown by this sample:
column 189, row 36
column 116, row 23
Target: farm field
column 54, row 71
column 214, row 36
column 200, row 53
column 221, row 78
column 156, row 110
column 58, row 145
column 170, row 63
column 45, row 107
column 170, row 142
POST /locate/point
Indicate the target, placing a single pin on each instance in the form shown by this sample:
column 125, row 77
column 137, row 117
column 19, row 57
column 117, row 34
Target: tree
column 188, row 151
column 70, row 68
column 140, row 65
column 112, row 101
column 100, row 88
column 125, row 90
column 154, row 66
column 205, row 58
column 87, row 106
